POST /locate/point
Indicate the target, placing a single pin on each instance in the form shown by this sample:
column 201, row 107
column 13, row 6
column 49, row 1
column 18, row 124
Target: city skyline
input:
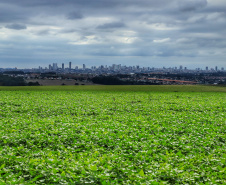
column 105, row 32
column 55, row 66
column 69, row 67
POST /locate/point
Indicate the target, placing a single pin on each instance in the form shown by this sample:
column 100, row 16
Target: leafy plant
column 112, row 137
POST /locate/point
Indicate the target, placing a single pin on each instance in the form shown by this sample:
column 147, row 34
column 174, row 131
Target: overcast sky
column 153, row 33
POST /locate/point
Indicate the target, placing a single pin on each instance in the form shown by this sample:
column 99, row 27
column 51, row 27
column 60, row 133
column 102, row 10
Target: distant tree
column 107, row 80
column 114, row 80
column 6, row 80
column 13, row 72
column 33, row 84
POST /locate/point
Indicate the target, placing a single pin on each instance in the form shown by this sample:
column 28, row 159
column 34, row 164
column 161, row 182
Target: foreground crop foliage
column 61, row 137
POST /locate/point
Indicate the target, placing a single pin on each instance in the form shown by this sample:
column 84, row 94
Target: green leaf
column 93, row 167
column 63, row 174
column 3, row 165
column 34, row 179
column 141, row 173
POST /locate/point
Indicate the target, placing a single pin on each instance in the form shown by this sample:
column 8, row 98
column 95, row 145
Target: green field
column 112, row 135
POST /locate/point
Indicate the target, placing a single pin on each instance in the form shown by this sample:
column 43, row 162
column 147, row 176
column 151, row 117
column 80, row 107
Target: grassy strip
column 133, row 88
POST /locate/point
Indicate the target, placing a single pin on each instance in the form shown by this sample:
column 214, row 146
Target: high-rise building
column 55, row 66
column 69, row 65
column 119, row 66
column 62, row 66
column 83, row 66
column 216, row 68
column 207, row 68
column 114, row 66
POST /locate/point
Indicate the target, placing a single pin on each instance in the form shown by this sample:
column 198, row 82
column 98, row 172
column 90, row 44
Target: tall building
column 207, row 68
column 216, row 68
column 55, row 66
column 119, row 66
column 83, row 66
column 69, row 65
column 62, row 66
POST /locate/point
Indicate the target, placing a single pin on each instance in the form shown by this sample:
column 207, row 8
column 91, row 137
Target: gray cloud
column 111, row 25
column 43, row 32
column 16, row 26
column 11, row 13
column 88, row 28
column 192, row 5
column 87, row 3
column 74, row 15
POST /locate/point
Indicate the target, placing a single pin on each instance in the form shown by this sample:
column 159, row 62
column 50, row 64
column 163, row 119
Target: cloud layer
column 145, row 32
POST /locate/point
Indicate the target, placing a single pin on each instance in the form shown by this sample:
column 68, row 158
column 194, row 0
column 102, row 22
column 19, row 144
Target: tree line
column 114, row 80
column 6, row 80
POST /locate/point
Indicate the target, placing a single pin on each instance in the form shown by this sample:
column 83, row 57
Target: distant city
column 113, row 69
column 117, row 74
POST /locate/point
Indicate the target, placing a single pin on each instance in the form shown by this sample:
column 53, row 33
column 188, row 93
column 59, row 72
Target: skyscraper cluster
column 123, row 69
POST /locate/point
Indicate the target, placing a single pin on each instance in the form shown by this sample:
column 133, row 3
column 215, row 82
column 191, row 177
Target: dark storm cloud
column 16, row 26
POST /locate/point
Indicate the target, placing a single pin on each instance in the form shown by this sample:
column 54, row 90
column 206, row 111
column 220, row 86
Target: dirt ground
column 60, row 82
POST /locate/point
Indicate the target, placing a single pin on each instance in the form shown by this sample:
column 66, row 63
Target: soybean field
column 112, row 135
